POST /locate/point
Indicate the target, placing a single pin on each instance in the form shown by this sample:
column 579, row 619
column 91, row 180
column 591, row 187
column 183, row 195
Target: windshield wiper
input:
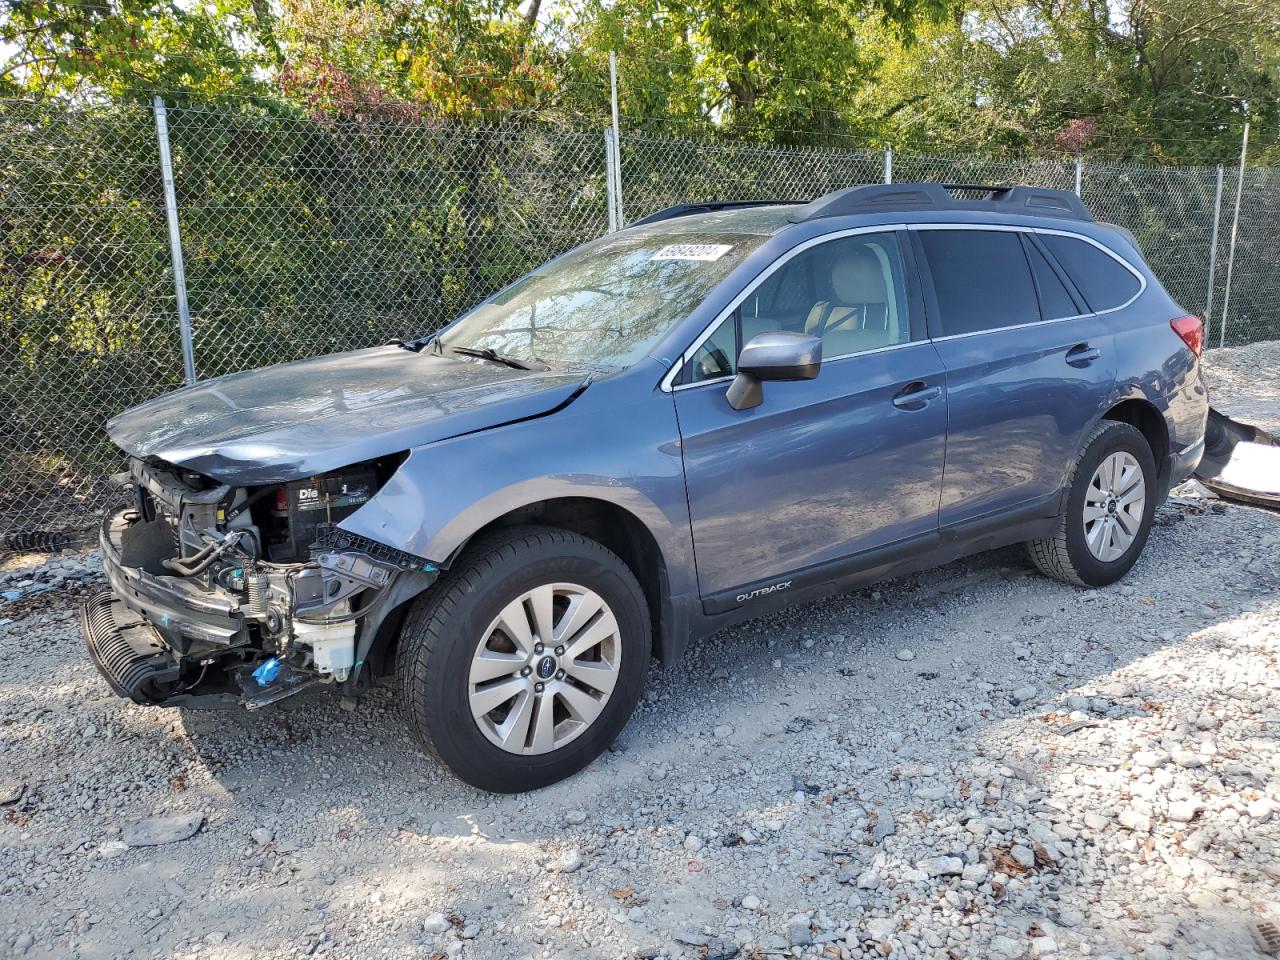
column 488, row 353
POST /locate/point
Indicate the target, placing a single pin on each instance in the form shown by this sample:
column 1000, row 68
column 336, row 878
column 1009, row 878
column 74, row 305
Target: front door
column 823, row 469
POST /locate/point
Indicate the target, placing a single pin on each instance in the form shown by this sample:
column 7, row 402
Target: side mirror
column 777, row 355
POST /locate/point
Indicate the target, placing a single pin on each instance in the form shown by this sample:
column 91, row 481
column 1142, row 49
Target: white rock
column 693, row 843
column 570, row 861
column 941, row 866
column 261, row 836
column 869, row 880
column 1135, row 821
column 1183, row 811
column 798, row 932
column 436, row 923
column 1043, row 946
column 155, row 831
column 1023, row 694
column 881, row 928
column 112, row 849
column 1024, row 856
column 1261, row 809
column 906, row 654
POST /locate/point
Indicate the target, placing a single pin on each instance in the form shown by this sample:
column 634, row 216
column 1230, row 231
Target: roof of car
column 768, row 216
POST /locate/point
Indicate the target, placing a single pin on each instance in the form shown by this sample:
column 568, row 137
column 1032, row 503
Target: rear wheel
column 525, row 661
column 1107, row 517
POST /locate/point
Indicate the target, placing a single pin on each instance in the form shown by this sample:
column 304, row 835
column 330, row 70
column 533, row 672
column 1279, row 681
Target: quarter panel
column 1156, row 366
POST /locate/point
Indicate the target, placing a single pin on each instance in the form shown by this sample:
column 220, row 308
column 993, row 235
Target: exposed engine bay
column 251, row 594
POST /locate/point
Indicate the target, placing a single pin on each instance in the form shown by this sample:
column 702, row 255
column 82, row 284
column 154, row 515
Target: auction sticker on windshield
column 693, row 251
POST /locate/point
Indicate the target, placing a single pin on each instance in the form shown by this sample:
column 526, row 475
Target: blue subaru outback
column 720, row 410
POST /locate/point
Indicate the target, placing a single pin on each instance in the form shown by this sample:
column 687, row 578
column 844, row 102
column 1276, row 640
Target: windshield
column 604, row 304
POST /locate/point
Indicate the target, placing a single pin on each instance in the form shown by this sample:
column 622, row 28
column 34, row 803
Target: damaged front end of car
column 223, row 594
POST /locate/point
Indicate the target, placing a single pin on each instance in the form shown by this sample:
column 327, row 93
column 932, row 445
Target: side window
column 717, row 357
column 981, row 278
column 855, row 300
column 1104, row 282
column 1055, row 301
column 851, row 292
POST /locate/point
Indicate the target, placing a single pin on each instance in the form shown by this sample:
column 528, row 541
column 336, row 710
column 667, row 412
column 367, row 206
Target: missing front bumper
column 132, row 657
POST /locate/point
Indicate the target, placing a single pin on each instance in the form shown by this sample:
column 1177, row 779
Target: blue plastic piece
column 268, row 671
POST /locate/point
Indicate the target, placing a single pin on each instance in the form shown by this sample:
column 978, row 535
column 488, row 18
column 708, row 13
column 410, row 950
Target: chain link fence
column 303, row 236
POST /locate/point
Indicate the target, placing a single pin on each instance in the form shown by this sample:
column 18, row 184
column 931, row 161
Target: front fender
column 626, row 453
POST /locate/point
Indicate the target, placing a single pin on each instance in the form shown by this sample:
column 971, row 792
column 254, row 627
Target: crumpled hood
column 300, row 419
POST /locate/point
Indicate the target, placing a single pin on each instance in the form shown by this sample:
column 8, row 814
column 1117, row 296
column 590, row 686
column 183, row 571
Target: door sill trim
column 826, row 572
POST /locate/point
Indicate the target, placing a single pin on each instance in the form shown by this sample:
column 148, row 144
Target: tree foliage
column 1170, row 79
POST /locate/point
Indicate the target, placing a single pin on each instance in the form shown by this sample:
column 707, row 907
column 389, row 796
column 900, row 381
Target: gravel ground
column 972, row 763
column 1244, row 382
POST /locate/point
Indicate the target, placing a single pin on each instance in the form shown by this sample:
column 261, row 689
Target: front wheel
column 1111, row 501
column 525, row 661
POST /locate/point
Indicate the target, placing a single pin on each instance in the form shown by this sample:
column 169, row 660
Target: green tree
column 780, row 70
column 1173, row 79
column 129, row 48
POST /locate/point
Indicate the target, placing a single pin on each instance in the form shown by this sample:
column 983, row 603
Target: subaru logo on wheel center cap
column 546, row 667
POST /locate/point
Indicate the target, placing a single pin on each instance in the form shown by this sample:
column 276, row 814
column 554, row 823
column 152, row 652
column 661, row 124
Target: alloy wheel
column 545, row 668
column 1114, row 506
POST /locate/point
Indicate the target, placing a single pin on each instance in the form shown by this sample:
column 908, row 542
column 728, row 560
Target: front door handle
column 1081, row 355
column 915, row 395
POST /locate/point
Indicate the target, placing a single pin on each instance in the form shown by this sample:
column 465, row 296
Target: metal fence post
column 1213, row 254
column 1235, row 226
column 888, row 164
column 617, row 139
column 610, row 184
column 175, row 242
column 1079, row 174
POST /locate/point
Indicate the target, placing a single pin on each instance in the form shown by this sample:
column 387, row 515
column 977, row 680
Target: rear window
column 981, row 278
column 1104, row 282
column 1055, row 301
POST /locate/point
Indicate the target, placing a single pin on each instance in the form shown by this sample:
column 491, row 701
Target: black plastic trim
column 711, row 206
column 916, row 197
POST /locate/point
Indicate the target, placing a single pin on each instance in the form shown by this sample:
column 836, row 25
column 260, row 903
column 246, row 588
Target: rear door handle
column 1081, row 355
column 915, row 395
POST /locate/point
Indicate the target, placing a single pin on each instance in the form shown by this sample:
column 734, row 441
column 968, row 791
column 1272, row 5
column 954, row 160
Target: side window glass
column 717, row 357
column 981, row 278
column 1055, row 301
column 850, row 292
column 1105, row 282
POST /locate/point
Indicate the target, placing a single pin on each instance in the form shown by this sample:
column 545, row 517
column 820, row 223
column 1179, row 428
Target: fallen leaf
column 1006, row 864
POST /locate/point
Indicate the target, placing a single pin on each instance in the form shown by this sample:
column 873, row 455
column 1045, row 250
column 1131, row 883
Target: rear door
column 1028, row 369
column 823, row 469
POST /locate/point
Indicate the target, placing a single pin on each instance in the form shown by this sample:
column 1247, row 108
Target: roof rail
column 686, row 209
column 910, row 197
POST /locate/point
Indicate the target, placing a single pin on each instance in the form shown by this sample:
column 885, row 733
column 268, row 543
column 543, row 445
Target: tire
column 469, row 625
column 1067, row 555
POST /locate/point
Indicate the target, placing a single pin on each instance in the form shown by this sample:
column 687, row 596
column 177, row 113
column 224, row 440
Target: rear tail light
column 1191, row 330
